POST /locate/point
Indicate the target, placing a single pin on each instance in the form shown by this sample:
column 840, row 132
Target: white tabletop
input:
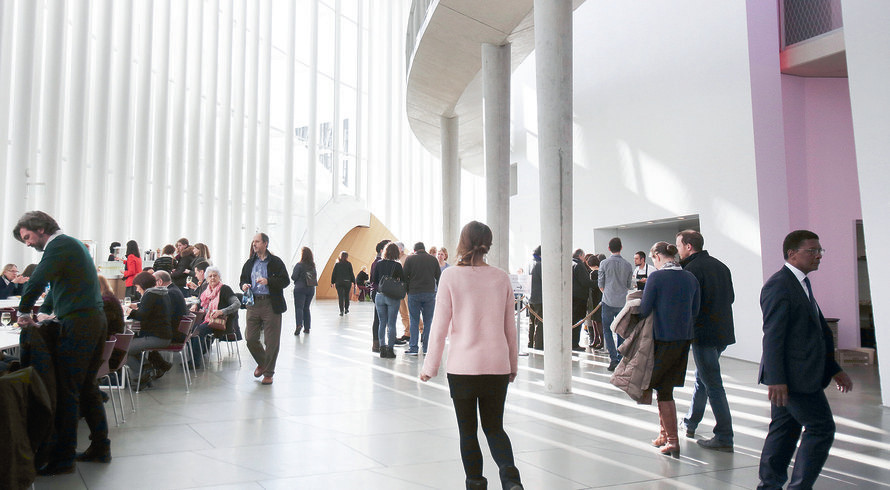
column 14, row 302
column 9, row 338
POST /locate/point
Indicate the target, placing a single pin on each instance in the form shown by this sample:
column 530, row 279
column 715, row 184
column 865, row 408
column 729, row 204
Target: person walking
column 673, row 297
column 713, row 332
column 265, row 275
column 797, row 365
column 342, row 278
column 475, row 311
column 305, row 280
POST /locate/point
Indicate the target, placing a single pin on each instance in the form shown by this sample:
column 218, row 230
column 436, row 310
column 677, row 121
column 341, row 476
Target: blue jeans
column 420, row 303
column 302, row 300
column 709, row 386
column 387, row 310
column 609, row 314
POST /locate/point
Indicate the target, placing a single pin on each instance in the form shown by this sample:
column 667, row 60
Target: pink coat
column 475, row 310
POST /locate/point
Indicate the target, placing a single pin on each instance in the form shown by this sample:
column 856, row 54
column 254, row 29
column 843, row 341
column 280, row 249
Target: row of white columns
column 553, row 54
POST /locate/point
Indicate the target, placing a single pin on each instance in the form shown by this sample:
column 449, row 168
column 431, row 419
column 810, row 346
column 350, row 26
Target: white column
column 14, row 186
column 249, row 172
column 96, row 190
column 553, row 55
column 120, row 145
column 450, row 184
column 219, row 234
column 178, row 163
column 868, row 66
column 7, row 12
column 51, row 109
column 358, row 126
column 205, row 189
column 287, row 214
column 496, row 138
column 335, row 116
column 388, row 162
column 142, row 132
column 159, row 206
column 265, row 88
column 312, row 157
column 71, row 205
column 192, row 166
column 233, row 241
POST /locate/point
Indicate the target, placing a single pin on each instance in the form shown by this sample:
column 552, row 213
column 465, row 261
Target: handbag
column 247, row 299
column 392, row 287
column 311, row 280
column 218, row 323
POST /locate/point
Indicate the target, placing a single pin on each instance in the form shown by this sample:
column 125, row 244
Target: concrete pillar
column 553, row 55
column 496, row 137
column 450, row 184
column 312, row 157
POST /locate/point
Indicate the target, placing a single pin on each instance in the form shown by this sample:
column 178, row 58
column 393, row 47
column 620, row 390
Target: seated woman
column 198, row 284
column 217, row 301
column 11, row 282
column 361, row 282
column 153, row 313
column 165, row 261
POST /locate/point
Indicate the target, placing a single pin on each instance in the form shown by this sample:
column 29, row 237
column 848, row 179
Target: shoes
column 306, row 330
column 347, row 312
column 578, row 348
column 146, row 378
column 341, row 313
column 387, row 352
column 404, row 338
column 531, row 345
column 98, row 452
column 297, row 331
column 56, row 469
column 411, row 352
column 613, row 365
column 401, row 341
column 716, row 445
column 267, row 380
column 258, row 371
column 105, row 397
column 690, row 432
column 375, row 347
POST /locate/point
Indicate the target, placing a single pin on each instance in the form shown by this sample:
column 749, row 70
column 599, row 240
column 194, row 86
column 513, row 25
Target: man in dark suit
column 797, row 365
column 74, row 299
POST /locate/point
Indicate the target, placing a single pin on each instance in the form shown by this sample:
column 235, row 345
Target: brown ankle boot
column 667, row 412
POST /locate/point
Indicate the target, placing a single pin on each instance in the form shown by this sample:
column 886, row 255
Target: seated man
column 11, row 282
column 178, row 310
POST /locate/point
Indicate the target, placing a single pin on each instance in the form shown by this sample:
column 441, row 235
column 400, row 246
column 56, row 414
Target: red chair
column 185, row 326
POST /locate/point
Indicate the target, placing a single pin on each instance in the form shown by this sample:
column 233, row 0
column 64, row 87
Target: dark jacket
column 11, row 289
column 713, row 325
column 278, row 280
column 179, row 275
column 536, row 297
column 392, row 268
column 596, row 297
column 673, row 297
column 69, row 270
column 154, row 313
column 342, row 275
column 163, row 263
column 361, row 278
column 798, row 349
column 178, row 309
column 422, row 273
column 581, row 281
column 114, row 314
column 299, row 276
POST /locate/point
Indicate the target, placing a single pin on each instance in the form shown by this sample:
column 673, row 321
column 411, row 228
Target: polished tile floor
column 339, row 417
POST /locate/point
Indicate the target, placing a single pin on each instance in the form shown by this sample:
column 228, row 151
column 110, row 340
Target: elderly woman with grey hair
column 220, row 306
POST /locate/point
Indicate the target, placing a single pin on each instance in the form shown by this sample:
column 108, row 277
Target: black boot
column 98, row 452
column 383, row 351
column 477, row 483
column 510, row 478
column 375, row 346
column 161, row 366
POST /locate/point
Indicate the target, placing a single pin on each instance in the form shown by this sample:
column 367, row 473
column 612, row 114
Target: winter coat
column 634, row 372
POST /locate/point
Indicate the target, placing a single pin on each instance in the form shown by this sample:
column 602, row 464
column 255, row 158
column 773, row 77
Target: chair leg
column 237, row 350
column 139, row 376
column 218, row 347
column 120, row 395
column 184, row 371
column 107, row 379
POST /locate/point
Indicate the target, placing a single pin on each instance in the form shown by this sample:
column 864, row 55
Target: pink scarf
column 210, row 298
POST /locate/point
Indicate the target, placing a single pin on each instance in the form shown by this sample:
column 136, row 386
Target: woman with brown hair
column 672, row 296
column 305, row 281
column 387, row 306
column 474, row 310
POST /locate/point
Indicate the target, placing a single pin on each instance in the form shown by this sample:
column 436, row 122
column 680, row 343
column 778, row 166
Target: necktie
column 806, row 280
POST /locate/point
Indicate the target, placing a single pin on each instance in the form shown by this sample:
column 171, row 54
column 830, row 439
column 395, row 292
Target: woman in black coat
column 343, row 278
column 305, row 281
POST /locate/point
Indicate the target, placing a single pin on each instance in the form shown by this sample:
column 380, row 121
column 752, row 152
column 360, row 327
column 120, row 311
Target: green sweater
column 69, row 270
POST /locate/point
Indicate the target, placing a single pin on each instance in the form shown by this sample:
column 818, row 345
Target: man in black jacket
column 713, row 332
column 581, row 285
column 422, row 275
column 266, row 277
column 536, row 304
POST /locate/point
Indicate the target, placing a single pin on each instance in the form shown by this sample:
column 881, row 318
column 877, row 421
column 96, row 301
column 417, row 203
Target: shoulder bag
column 392, row 287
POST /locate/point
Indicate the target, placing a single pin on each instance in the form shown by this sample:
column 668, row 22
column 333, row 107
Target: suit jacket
column 278, row 280
column 798, row 349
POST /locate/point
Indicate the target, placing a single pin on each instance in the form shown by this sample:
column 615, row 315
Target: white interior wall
column 664, row 127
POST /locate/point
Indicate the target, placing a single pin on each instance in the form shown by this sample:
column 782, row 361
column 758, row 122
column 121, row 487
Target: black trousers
column 488, row 392
column 376, row 325
column 343, row 297
column 809, row 410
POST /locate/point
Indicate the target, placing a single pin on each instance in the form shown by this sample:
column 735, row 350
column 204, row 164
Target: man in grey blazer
column 797, row 365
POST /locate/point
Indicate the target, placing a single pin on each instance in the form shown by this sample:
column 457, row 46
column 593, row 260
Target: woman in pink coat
column 475, row 310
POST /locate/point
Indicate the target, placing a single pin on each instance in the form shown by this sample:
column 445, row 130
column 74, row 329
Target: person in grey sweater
column 614, row 280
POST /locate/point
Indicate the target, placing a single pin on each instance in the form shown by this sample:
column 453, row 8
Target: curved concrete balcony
column 444, row 60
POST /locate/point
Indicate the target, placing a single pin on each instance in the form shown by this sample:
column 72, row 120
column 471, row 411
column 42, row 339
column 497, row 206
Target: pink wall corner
column 823, row 189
